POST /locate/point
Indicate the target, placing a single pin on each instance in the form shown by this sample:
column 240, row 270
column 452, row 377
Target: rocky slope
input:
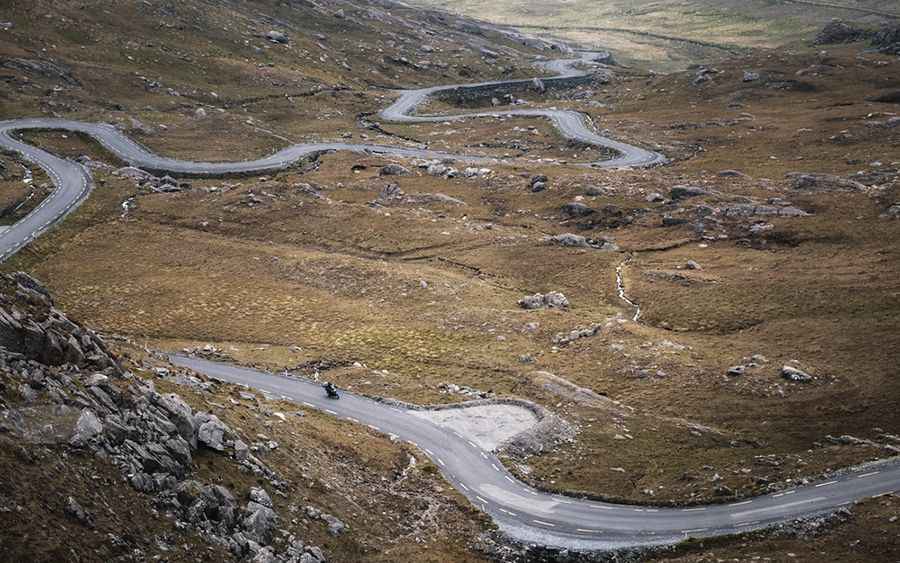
column 63, row 389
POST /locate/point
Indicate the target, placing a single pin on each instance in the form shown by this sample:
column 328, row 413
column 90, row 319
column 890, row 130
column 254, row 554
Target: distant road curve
column 734, row 49
column 73, row 181
column 869, row 11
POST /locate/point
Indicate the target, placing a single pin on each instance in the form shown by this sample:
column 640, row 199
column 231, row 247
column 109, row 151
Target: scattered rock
column 74, row 511
column 576, row 209
column 703, row 74
column 796, row 375
column 670, row 221
column 750, row 76
column 538, row 183
column 684, row 192
column 579, row 241
column 692, row 265
column 210, row 431
column 566, row 338
column 275, row 36
column 892, row 212
column 335, row 526
column 393, row 170
column 552, row 300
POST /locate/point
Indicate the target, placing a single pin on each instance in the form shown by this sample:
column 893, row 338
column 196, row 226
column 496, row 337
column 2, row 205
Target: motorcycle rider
column 330, row 389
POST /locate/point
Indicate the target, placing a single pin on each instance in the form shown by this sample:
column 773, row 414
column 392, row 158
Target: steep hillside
column 249, row 75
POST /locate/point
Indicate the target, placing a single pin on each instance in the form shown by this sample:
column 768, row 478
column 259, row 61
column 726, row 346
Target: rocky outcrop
column 60, row 384
column 809, row 181
column 392, row 194
column 31, row 325
column 150, row 183
column 838, row 31
column 579, row 241
column 887, row 39
column 41, row 67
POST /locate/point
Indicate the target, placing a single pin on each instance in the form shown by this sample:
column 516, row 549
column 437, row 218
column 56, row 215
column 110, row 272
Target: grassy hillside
column 320, row 268
column 670, row 33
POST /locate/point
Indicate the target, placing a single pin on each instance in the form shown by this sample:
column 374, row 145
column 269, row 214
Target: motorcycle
column 331, row 391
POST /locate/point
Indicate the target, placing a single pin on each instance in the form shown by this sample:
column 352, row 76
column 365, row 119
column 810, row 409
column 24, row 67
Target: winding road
column 533, row 516
column 522, row 512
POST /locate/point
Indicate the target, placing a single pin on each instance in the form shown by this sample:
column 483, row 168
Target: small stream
column 127, row 206
column 620, row 289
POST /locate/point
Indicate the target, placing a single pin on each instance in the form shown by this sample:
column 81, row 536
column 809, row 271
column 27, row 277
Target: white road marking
column 586, row 531
column 826, row 484
column 741, row 503
column 776, row 507
column 542, row 523
column 868, row 474
column 699, row 509
column 329, row 411
column 503, row 510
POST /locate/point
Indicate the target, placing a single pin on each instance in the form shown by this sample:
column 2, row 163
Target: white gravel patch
column 486, row 425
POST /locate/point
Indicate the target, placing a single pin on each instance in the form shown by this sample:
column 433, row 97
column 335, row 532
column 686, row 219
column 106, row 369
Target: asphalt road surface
column 533, row 516
column 522, row 512
column 73, row 182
